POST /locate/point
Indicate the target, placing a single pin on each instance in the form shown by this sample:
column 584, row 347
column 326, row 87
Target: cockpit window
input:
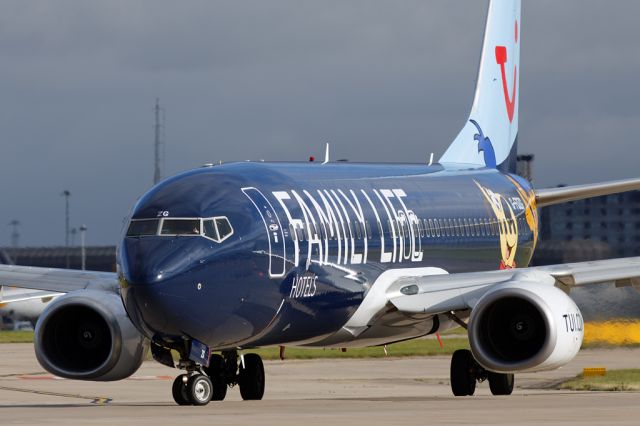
column 224, row 228
column 139, row 228
column 180, row 227
column 217, row 228
column 209, row 229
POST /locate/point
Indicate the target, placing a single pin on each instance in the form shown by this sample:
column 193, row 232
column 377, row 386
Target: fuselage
column 286, row 253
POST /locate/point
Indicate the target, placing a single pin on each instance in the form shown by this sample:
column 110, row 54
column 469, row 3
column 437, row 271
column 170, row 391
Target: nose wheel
column 179, row 390
column 199, row 389
column 202, row 385
column 196, row 389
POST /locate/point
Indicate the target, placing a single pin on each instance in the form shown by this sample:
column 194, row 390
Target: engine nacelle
column 524, row 326
column 87, row 335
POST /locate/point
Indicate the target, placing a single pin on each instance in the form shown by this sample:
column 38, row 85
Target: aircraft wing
column 445, row 293
column 55, row 280
column 10, row 294
column 563, row 194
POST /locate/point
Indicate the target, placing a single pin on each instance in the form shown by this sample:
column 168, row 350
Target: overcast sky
column 275, row 80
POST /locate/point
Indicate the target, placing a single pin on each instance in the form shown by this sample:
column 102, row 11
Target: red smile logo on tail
column 501, row 59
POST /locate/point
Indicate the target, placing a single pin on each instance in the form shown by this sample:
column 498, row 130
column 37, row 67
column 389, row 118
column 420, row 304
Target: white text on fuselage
column 329, row 215
column 303, row 286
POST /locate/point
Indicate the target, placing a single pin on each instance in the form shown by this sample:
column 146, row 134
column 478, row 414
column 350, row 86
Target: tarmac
column 388, row 391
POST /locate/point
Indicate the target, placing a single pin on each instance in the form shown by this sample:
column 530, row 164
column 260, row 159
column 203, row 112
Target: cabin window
column 476, row 225
column 492, row 227
column 404, row 227
column 300, row 234
column 352, row 233
column 321, row 231
column 357, row 232
column 418, row 225
column 314, row 231
column 143, row 227
column 436, row 222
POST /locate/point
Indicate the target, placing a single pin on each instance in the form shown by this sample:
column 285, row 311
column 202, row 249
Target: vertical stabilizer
column 489, row 138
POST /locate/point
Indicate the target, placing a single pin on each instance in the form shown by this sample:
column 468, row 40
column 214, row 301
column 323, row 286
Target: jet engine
column 87, row 335
column 523, row 326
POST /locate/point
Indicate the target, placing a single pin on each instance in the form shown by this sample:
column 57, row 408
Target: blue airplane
column 222, row 259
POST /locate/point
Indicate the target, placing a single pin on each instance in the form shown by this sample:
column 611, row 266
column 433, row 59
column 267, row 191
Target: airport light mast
column 158, row 142
column 66, row 194
column 83, row 250
column 15, row 235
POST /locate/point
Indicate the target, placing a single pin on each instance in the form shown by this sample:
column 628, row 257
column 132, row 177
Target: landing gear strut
column 200, row 385
column 465, row 372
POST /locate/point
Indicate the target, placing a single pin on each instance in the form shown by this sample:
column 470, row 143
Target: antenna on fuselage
column 326, row 154
column 430, row 159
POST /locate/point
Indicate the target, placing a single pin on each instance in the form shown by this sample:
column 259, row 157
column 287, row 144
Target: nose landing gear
column 204, row 384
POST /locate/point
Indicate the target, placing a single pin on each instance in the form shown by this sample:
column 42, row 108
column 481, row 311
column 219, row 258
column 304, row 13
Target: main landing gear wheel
column 251, row 377
column 463, row 373
column 199, row 389
column 179, row 390
column 501, row 384
column 216, row 372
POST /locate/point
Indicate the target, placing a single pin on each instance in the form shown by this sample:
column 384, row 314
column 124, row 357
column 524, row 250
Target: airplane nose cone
column 158, row 273
column 174, row 288
column 145, row 261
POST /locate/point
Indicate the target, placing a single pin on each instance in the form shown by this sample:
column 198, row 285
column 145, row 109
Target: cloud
column 381, row 80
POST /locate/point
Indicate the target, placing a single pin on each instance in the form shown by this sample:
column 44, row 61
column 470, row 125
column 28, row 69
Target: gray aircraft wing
column 11, row 294
column 452, row 292
column 56, row 280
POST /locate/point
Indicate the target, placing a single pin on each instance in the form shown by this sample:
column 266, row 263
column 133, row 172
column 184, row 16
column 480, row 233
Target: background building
column 98, row 258
column 613, row 220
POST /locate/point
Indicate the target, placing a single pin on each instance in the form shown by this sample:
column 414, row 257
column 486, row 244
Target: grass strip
column 614, row 380
column 16, row 336
column 417, row 347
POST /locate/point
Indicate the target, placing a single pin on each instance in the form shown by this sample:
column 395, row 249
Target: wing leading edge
column 445, row 293
column 56, row 280
column 563, row 194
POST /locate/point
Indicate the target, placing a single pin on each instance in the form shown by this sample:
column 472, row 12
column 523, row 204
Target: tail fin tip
column 489, row 138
